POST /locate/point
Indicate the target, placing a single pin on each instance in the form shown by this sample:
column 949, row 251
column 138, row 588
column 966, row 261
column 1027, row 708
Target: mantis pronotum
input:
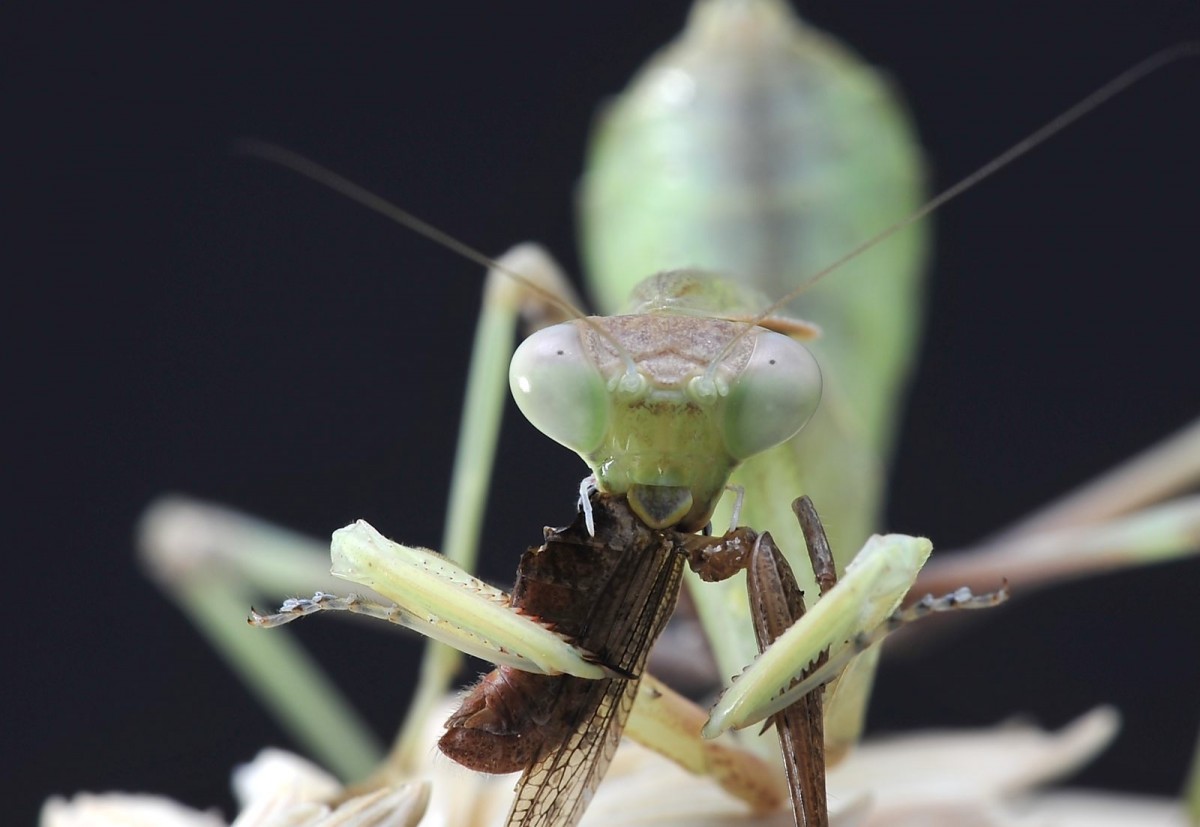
column 353, row 403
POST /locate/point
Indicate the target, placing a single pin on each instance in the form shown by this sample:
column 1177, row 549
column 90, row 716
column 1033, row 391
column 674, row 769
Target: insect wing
column 632, row 592
column 557, row 788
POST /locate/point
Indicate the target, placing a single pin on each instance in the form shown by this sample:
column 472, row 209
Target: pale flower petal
column 274, row 773
column 402, row 806
column 928, row 779
column 462, row 798
column 961, row 777
column 975, row 778
column 279, row 789
column 123, row 810
column 1097, row 809
column 640, row 789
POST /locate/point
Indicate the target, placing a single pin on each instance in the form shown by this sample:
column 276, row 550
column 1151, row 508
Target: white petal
column 123, row 810
column 1085, row 809
column 281, row 811
column 962, row 772
column 401, row 806
column 275, row 773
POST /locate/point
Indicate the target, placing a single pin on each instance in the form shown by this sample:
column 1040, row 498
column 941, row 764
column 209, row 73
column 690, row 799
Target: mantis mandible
column 750, row 498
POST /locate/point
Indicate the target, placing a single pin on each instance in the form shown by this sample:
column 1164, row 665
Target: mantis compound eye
column 774, row 396
column 559, row 389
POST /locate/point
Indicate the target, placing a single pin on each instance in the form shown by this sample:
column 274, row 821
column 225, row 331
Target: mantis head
column 664, row 403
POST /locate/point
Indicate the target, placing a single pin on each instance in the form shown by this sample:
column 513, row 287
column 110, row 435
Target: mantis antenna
column 1105, row 93
column 302, row 165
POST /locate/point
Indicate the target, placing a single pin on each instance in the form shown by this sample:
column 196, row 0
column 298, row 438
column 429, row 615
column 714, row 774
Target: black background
column 193, row 322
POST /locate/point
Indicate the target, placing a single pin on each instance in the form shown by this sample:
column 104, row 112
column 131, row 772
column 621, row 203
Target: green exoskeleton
column 818, row 158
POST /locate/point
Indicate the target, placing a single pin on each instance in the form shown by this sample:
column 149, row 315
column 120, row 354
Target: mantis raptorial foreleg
column 442, row 601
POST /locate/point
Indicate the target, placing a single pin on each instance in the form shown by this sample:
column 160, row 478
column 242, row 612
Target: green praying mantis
column 848, row 456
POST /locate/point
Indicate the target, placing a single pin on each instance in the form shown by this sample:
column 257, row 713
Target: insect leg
column 776, row 603
column 817, row 543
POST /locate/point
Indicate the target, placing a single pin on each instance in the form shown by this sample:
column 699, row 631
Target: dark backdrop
column 188, row 321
